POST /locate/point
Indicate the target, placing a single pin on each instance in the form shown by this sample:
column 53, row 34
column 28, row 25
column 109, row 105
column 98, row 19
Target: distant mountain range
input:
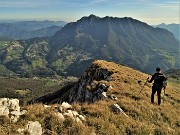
column 30, row 29
column 123, row 40
column 174, row 28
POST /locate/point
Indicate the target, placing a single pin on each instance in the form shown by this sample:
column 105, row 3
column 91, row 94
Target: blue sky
column 149, row 11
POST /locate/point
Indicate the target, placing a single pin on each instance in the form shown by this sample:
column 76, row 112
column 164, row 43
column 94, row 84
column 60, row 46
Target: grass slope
column 143, row 118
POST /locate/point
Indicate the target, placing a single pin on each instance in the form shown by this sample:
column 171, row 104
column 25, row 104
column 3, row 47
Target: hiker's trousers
column 154, row 89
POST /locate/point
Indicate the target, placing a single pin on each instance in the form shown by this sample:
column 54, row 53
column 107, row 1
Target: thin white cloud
column 99, row 1
column 172, row 5
column 173, row 2
column 167, row 6
column 150, row 4
column 44, row 3
column 26, row 3
column 144, row 0
column 16, row 4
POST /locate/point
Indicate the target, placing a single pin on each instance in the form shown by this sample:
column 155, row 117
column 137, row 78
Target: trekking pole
column 144, row 84
column 164, row 94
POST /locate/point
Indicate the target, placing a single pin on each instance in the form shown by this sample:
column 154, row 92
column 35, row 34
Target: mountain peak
column 123, row 40
column 90, row 17
column 127, row 20
column 106, row 17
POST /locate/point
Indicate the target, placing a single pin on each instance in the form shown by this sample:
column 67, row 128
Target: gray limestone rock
column 32, row 128
column 117, row 109
column 66, row 105
column 11, row 109
column 113, row 97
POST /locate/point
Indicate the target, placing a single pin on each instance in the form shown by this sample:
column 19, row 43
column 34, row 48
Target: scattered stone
column 78, row 120
column 8, row 105
column 14, row 118
column 104, row 95
column 14, row 104
column 23, row 112
column 103, row 87
column 47, row 106
column 60, row 109
column 69, row 114
column 16, row 113
column 32, row 128
column 117, row 109
column 75, row 113
column 11, row 109
column 113, row 97
column 60, row 116
column 82, row 118
column 66, row 105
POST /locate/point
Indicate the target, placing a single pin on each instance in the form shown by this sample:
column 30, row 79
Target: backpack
column 160, row 81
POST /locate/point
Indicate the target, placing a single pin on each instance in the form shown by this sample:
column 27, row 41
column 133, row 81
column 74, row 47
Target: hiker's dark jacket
column 159, row 79
column 157, row 84
column 154, row 76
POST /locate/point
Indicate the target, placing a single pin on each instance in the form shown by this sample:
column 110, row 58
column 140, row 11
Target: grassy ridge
column 143, row 118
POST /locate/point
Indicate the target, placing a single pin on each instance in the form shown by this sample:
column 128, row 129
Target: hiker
column 159, row 83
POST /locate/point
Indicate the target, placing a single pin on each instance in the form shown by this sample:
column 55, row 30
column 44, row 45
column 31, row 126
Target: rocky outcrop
column 65, row 110
column 89, row 88
column 60, row 112
column 11, row 109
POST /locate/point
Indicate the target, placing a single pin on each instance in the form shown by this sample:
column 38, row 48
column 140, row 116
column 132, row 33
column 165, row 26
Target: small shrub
column 68, row 122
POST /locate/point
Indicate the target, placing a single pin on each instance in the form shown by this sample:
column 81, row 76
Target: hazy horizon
column 149, row 11
column 19, row 20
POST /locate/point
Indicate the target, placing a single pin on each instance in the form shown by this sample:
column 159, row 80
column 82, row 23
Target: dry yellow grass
column 143, row 118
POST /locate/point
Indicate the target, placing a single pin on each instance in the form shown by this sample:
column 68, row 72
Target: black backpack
column 160, row 81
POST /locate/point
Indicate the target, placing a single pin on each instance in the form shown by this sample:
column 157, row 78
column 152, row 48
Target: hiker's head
column 158, row 69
